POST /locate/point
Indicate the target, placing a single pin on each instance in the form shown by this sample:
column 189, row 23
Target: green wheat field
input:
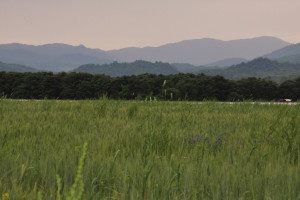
column 106, row 149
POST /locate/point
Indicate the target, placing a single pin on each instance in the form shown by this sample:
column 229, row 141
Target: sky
column 115, row 24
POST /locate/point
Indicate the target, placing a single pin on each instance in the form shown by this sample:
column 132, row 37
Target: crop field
column 105, row 149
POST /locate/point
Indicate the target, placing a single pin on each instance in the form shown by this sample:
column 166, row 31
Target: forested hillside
column 292, row 59
column 164, row 87
column 187, row 68
column 226, row 62
column 134, row 68
column 261, row 68
column 15, row 68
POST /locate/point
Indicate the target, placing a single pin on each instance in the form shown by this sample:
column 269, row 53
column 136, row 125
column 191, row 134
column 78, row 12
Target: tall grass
column 149, row 150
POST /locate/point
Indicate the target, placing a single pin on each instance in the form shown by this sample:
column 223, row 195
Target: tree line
column 47, row 85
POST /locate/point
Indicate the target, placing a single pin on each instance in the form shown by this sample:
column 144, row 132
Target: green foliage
column 148, row 150
column 45, row 85
column 77, row 188
column 134, row 68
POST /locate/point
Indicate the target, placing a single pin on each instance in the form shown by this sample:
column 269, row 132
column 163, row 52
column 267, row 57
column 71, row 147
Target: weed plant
column 148, row 150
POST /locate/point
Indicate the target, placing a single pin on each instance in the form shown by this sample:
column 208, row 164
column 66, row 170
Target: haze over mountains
column 16, row 68
column 289, row 53
column 202, row 51
column 259, row 67
column 289, row 50
column 52, row 57
column 62, row 57
column 226, row 62
column 231, row 59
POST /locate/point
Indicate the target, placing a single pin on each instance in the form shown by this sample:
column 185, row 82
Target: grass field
column 148, row 150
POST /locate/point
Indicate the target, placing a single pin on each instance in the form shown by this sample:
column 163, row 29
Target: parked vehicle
column 285, row 100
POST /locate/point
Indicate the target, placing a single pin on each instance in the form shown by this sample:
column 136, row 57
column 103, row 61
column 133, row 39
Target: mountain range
column 290, row 53
column 259, row 67
column 232, row 59
column 52, row 57
column 202, row 51
column 63, row 57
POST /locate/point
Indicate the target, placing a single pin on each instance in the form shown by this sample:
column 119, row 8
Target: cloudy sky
column 114, row 24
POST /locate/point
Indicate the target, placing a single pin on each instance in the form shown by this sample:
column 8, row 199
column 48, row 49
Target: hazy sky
column 113, row 24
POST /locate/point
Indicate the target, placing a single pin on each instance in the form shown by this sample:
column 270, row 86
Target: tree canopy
column 193, row 87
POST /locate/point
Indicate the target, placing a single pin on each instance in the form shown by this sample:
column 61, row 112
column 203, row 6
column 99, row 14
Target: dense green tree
column 255, row 88
column 290, row 89
column 165, row 87
column 50, row 86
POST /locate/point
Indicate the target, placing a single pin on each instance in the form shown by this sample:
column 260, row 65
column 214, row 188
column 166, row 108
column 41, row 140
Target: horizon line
column 141, row 47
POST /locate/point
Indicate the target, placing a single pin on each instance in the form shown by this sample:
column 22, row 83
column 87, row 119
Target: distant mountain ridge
column 289, row 50
column 202, row 51
column 62, row 57
column 289, row 53
column 292, row 59
column 52, row 57
column 260, row 67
